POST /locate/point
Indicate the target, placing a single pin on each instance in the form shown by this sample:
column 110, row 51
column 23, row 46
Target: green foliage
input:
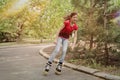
column 51, row 18
column 7, row 29
column 5, row 4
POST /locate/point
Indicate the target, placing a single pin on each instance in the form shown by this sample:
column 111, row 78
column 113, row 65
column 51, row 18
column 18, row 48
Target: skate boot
column 58, row 69
column 47, row 68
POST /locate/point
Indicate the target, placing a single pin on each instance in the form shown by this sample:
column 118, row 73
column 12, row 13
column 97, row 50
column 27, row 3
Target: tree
column 51, row 18
column 97, row 27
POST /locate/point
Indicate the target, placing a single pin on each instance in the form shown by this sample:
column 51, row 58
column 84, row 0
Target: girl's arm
column 75, row 40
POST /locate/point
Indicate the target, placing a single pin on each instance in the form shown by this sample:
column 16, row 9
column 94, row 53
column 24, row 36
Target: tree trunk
column 105, row 27
column 90, row 21
column 106, row 53
column 91, row 42
column 19, row 32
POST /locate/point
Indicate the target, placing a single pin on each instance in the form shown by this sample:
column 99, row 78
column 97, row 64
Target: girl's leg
column 54, row 53
column 64, row 50
column 56, row 50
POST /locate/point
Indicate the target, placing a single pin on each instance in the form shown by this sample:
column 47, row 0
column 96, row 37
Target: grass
column 111, row 69
column 7, row 43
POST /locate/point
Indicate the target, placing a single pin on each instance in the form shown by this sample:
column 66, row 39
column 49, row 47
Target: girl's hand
column 55, row 41
column 72, row 47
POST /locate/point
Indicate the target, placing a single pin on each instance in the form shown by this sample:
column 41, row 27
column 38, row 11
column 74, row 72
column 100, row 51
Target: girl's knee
column 56, row 51
column 64, row 51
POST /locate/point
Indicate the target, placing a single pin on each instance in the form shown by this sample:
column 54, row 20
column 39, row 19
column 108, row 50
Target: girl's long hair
column 68, row 17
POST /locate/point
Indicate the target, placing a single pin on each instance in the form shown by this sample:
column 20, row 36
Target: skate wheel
column 45, row 73
column 57, row 73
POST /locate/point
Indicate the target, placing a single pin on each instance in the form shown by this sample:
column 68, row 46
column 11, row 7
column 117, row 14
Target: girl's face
column 74, row 19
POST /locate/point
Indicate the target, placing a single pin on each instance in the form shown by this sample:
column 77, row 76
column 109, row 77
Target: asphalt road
column 25, row 63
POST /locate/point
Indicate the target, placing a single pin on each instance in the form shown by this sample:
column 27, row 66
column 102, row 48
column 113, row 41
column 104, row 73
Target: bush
column 7, row 37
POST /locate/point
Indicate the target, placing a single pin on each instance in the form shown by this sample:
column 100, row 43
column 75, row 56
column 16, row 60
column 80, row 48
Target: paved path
column 25, row 63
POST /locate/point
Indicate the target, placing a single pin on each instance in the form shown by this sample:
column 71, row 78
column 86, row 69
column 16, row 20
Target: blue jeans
column 64, row 43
